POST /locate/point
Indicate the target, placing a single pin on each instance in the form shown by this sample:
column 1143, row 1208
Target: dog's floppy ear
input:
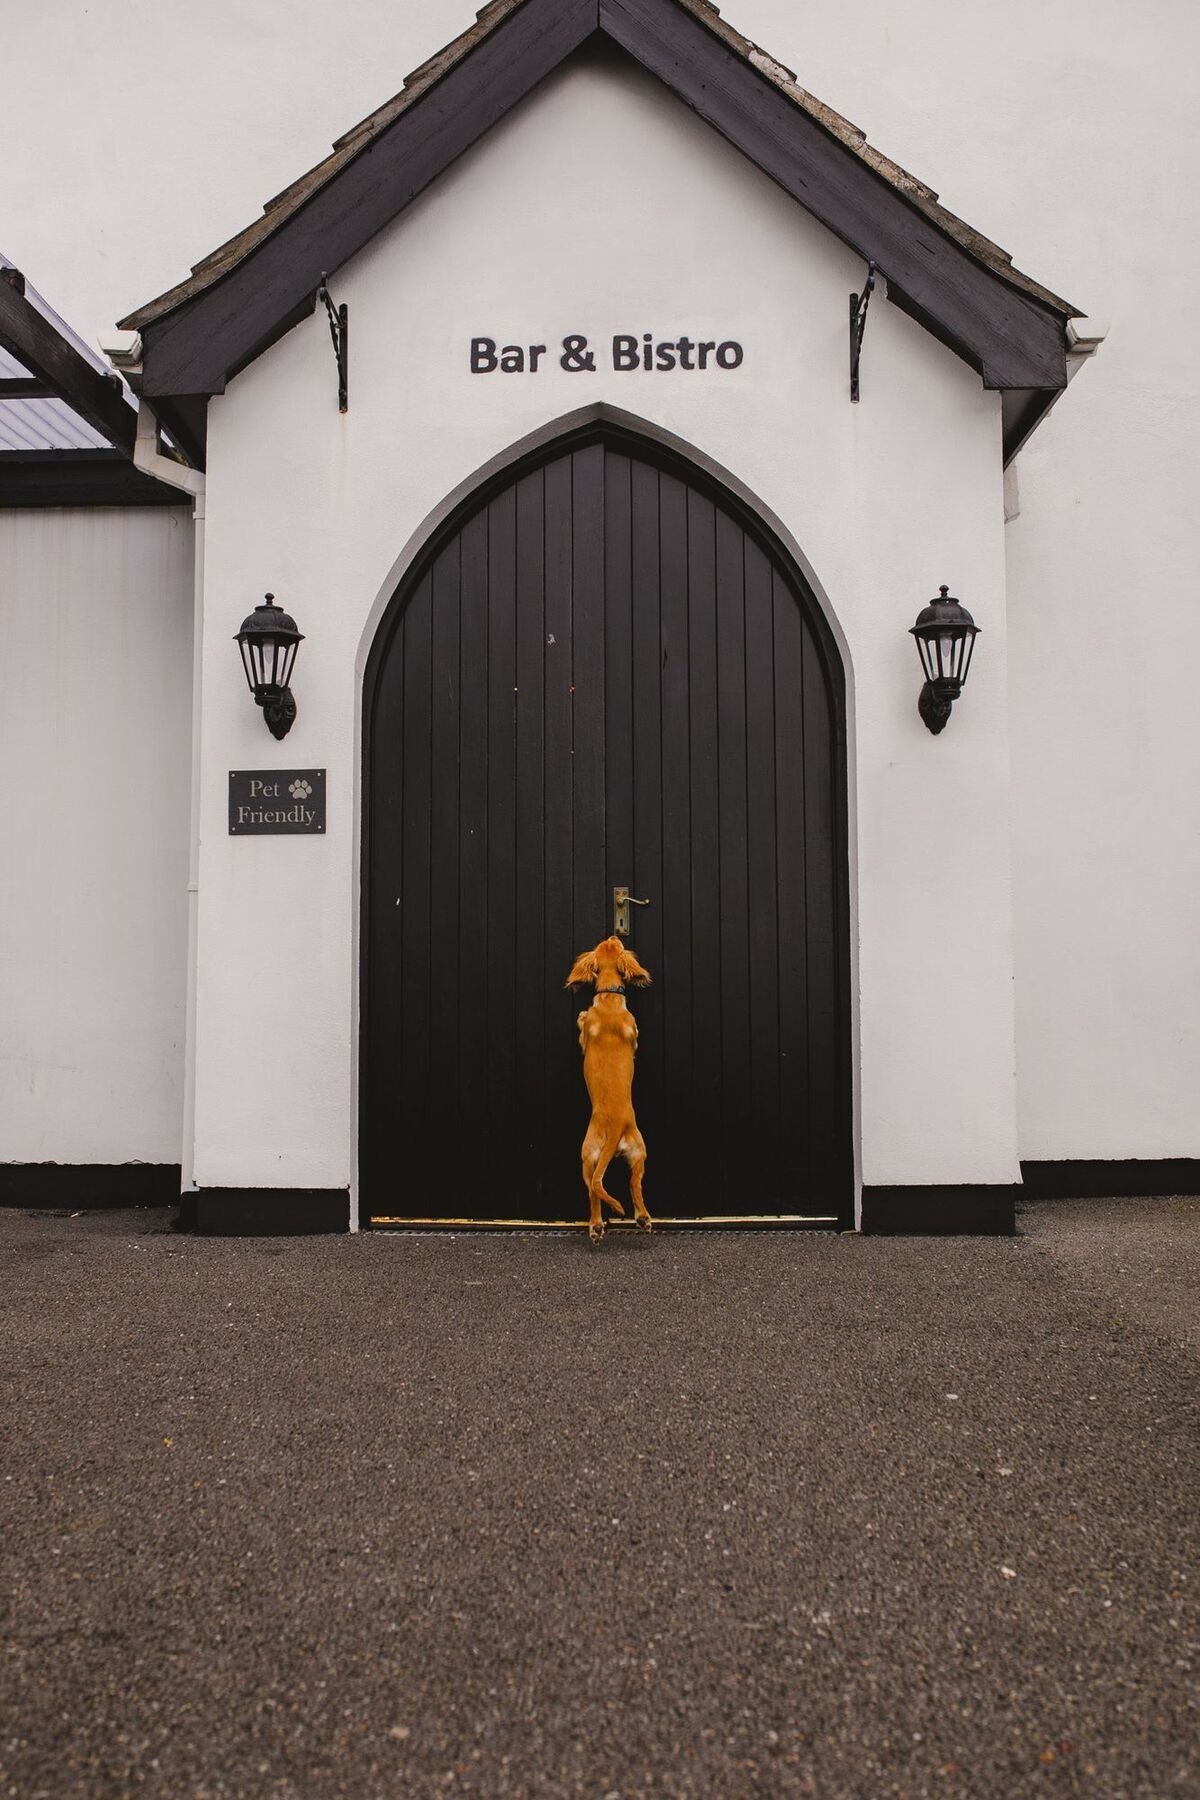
column 586, row 969
column 630, row 969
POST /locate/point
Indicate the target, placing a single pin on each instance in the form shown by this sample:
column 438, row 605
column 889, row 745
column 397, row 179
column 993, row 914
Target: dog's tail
column 607, row 1151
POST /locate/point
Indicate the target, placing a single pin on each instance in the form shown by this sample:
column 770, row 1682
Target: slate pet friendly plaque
column 276, row 800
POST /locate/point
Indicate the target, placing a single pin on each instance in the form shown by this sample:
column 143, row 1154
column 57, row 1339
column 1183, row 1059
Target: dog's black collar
column 617, row 990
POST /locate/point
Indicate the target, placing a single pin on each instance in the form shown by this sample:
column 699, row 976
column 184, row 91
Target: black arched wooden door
column 604, row 672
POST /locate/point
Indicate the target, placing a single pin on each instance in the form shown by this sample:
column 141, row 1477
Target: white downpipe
column 188, row 1148
column 148, row 458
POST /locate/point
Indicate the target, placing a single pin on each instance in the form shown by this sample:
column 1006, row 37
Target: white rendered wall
column 553, row 227
column 95, row 747
column 1064, row 132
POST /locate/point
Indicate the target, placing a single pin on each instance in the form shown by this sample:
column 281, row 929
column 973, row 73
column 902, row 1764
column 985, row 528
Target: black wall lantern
column 268, row 641
column 945, row 634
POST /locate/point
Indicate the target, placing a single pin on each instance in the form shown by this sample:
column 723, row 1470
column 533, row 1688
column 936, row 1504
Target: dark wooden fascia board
column 32, row 339
column 944, row 335
column 288, row 322
column 80, row 478
column 195, row 349
column 1011, row 340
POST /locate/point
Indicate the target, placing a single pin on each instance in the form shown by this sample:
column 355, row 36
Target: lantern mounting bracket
column 934, row 708
column 858, row 325
column 339, row 331
column 279, row 711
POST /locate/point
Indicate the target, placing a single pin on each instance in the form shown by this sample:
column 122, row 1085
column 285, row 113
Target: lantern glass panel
column 946, row 658
column 287, row 656
column 968, row 647
column 247, row 662
column 928, row 658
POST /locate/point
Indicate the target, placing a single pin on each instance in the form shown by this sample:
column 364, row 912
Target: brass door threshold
column 386, row 1222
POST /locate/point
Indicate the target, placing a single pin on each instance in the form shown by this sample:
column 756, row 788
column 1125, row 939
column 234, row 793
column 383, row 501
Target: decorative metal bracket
column 934, row 708
column 279, row 710
column 858, row 324
column 339, row 331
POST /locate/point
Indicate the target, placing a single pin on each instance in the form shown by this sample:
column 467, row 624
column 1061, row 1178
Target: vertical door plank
column 565, row 1112
column 474, row 999
column 384, row 800
column 790, row 648
column 591, row 908
column 676, row 1164
column 529, row 947
column 646, row 873
column 733, row 876
column 618, row 682
column 821, row 959
column 766, row 1141
column 502, row 776
column 706, row 841
column 413, row 1092
column 444, row 851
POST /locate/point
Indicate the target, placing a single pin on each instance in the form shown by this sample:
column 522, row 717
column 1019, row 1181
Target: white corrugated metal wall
column 95, row 748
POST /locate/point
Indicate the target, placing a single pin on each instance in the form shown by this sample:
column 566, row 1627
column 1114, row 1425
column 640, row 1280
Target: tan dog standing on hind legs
column 608, row 1038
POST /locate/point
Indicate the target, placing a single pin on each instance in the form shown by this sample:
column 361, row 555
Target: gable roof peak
column 949, row 277
column 490, row 18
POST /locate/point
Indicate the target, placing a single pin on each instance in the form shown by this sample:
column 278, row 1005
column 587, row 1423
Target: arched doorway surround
column 603, row 668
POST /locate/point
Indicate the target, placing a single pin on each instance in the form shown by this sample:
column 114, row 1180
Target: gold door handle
column 622, row 901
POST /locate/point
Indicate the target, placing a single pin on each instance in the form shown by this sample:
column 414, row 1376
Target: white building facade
column 894, row 970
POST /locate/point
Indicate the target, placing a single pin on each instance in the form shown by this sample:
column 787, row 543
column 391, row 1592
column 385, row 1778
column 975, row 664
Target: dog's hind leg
column 593, row 1149
column 635, row 1155
column 599, row 1159
column 595, row 1219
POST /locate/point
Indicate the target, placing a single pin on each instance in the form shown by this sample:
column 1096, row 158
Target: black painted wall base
column 265, row 1212
column 991, row 1211
column 84, row 1186
column 304, row 1212
column 950, row 1211
column 1106, row 1180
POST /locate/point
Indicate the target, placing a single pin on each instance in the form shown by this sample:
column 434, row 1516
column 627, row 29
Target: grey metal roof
column 49, row 424
column 41, row 424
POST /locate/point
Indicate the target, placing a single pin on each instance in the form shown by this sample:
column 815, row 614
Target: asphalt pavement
column 744, row 1514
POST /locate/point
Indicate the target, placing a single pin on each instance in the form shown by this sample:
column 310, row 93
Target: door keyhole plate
column 622, row 901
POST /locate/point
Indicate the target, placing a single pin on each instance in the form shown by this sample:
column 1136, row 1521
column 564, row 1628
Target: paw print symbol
column 300, row 790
